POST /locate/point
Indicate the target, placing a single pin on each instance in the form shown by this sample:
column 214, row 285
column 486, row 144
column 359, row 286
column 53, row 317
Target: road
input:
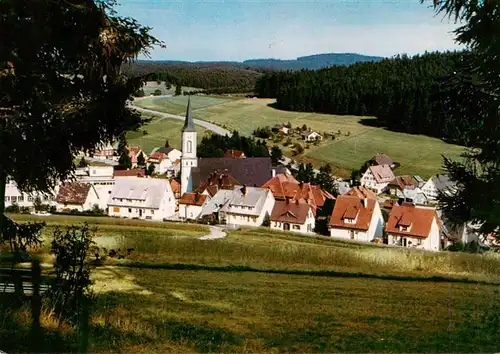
column 210, row 126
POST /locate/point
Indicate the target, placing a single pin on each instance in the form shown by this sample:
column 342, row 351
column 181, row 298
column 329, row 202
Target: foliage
column 124, row 161
column 325, row 180
column 13, row 208
column 405, row 94
column 262, row 132
column 21, row 238
column 178, row 89
column 150, row 170
column 276, row 154
column 141, row 161
column 267, row 220
column 157, row 92
column 298, row 148
column 82, row 163
column 476, row 89
column 167, row 144
column 139, row 93
column 70, row 290
column 215, row 145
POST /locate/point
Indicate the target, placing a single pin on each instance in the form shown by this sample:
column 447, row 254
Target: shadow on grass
column 325, row 273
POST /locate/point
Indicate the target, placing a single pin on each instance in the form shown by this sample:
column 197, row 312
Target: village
column 238, row 191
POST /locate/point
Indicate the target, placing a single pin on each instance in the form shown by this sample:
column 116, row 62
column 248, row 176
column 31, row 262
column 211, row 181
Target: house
column 210, row 210
column 464, row 233
column 76, row 195
column 377, row 178
column 191, row 204
column 285, row 186
column 134, row 173
column 437, row 184
column 235, row 153
column 412, row 226
column 382, row 159
column 248, row 206
column 420, row 181
column 101, row 177
column 280, row 129
column 105, row 152
column 217, row 181
column 26, row 200
column 163, row 159
column 296, row 216
column 401, row 183
column 143, row 198
column 342, row 187
column 357, row 216
column 416, row 196
column 134, row 152
column 311, row 136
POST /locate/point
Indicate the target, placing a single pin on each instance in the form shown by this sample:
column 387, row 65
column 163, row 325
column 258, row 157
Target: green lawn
column 158, row 131
column 417, row 154
column 151, row 86
column 261, row 291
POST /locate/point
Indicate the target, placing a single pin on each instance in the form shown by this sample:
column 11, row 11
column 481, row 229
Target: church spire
column 188, row 123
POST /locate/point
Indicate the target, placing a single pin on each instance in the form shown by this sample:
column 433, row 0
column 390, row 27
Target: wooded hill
column 408, row 94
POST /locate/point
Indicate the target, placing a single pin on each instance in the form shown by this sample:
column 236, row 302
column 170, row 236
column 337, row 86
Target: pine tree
column 124, row 161
column 141, row 161
column 167, row 144
column 178, row 89
column 150, row 170
column 276, row 154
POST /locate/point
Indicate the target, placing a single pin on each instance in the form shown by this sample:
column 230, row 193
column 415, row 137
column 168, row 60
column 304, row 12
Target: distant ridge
column 313, row 62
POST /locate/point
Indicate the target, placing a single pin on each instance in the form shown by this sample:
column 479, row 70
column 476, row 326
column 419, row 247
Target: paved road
column 215, row 233
column 212, row 127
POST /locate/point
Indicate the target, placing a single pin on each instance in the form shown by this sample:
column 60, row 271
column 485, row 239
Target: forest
column 221, row 78
column 407, row 94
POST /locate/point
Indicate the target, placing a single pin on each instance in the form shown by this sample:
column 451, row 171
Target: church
column 195, row 171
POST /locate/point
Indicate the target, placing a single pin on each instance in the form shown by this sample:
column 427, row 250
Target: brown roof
column 284, row 186
column 158, row 156
column 252, row 171
column 73, row 193
column 418, row 220
column 382, row 173
column 234, row 153
column 291, row 212
column 217, row 181
column 382, row 159
column 351, row 207
column 361, row 192
column 193, row 199
column 403, row 182
column 176, row 186
column 136, row 172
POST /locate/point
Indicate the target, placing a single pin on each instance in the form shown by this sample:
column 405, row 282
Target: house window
column 129, row 210
column 152, row 212
column 20, row 198
column 30, row 198
column 116, row 210
column 419, row 241
column 403, row 228
column 296, row 227
column 189, row 146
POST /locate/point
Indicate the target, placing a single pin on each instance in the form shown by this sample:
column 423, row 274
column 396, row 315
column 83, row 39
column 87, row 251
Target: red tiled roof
column 193, row 199
column 361, row 192
column 73, row 193
column 382, row 159
column 291, row 212
column 403, row 182
column 382, row 173
column 234, row 153
column 352, row 207
column 419, row 220
column 158, row 156
column 176, row 186
column 136, row 172
column 217, row 181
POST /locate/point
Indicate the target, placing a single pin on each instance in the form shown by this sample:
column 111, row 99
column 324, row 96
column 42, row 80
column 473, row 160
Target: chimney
column 297, row 201
column 365, row 202
column 287, row 201
column 273, row 172
column 244, row 189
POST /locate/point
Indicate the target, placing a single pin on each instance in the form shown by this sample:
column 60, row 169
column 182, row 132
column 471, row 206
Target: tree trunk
column 3, row 182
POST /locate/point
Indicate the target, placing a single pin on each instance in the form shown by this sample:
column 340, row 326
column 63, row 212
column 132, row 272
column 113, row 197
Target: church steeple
column 188, row 123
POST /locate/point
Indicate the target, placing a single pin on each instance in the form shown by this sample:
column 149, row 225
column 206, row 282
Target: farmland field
column 260, row 291
column 418, row 154
column 151, row 86
column 157, row 132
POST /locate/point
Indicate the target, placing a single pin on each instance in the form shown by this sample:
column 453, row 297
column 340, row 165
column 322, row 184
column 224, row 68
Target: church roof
column 188, row 123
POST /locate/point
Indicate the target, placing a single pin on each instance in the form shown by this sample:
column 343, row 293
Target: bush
column 263, row 132
column 298, row 149
column 14, row 208
column 287, row 142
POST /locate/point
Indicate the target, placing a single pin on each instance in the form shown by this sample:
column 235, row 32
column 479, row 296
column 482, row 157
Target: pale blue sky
column 244, row 29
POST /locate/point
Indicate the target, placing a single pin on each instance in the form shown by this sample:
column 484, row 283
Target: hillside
column 268, row 292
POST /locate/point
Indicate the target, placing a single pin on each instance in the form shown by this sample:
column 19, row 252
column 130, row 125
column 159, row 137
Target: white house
column 215, row 203
column 436, row 184
column 105, row 152
column 134, row 152
column 163, row 159
column 191, row 205
column 249, row 206
column 415, row 227
column 101, row 177
column 295, row 216
column 311, row 136
column 76, row 195
column 26, row 200
column 357, row 216
column 377, row 178
column 143, row 198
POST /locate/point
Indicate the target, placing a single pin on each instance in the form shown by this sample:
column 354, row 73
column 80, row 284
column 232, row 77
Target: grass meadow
column 417, row 154
column 269, row 292
column 152, row 86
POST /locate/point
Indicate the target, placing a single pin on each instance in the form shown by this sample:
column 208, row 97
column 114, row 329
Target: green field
column 259, row 291
column 157, row 132
column 152, row 86
column 417, row 154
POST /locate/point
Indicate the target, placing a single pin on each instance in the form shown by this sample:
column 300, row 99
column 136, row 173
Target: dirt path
column 215, row 233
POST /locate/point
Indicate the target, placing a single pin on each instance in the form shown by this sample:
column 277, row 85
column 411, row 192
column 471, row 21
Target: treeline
column 408, row 94
column 217, row 79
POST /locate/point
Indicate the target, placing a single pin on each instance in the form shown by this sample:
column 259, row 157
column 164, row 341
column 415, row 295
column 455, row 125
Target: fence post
column 35, row 304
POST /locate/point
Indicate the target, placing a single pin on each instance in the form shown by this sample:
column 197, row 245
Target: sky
column 236, row 30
